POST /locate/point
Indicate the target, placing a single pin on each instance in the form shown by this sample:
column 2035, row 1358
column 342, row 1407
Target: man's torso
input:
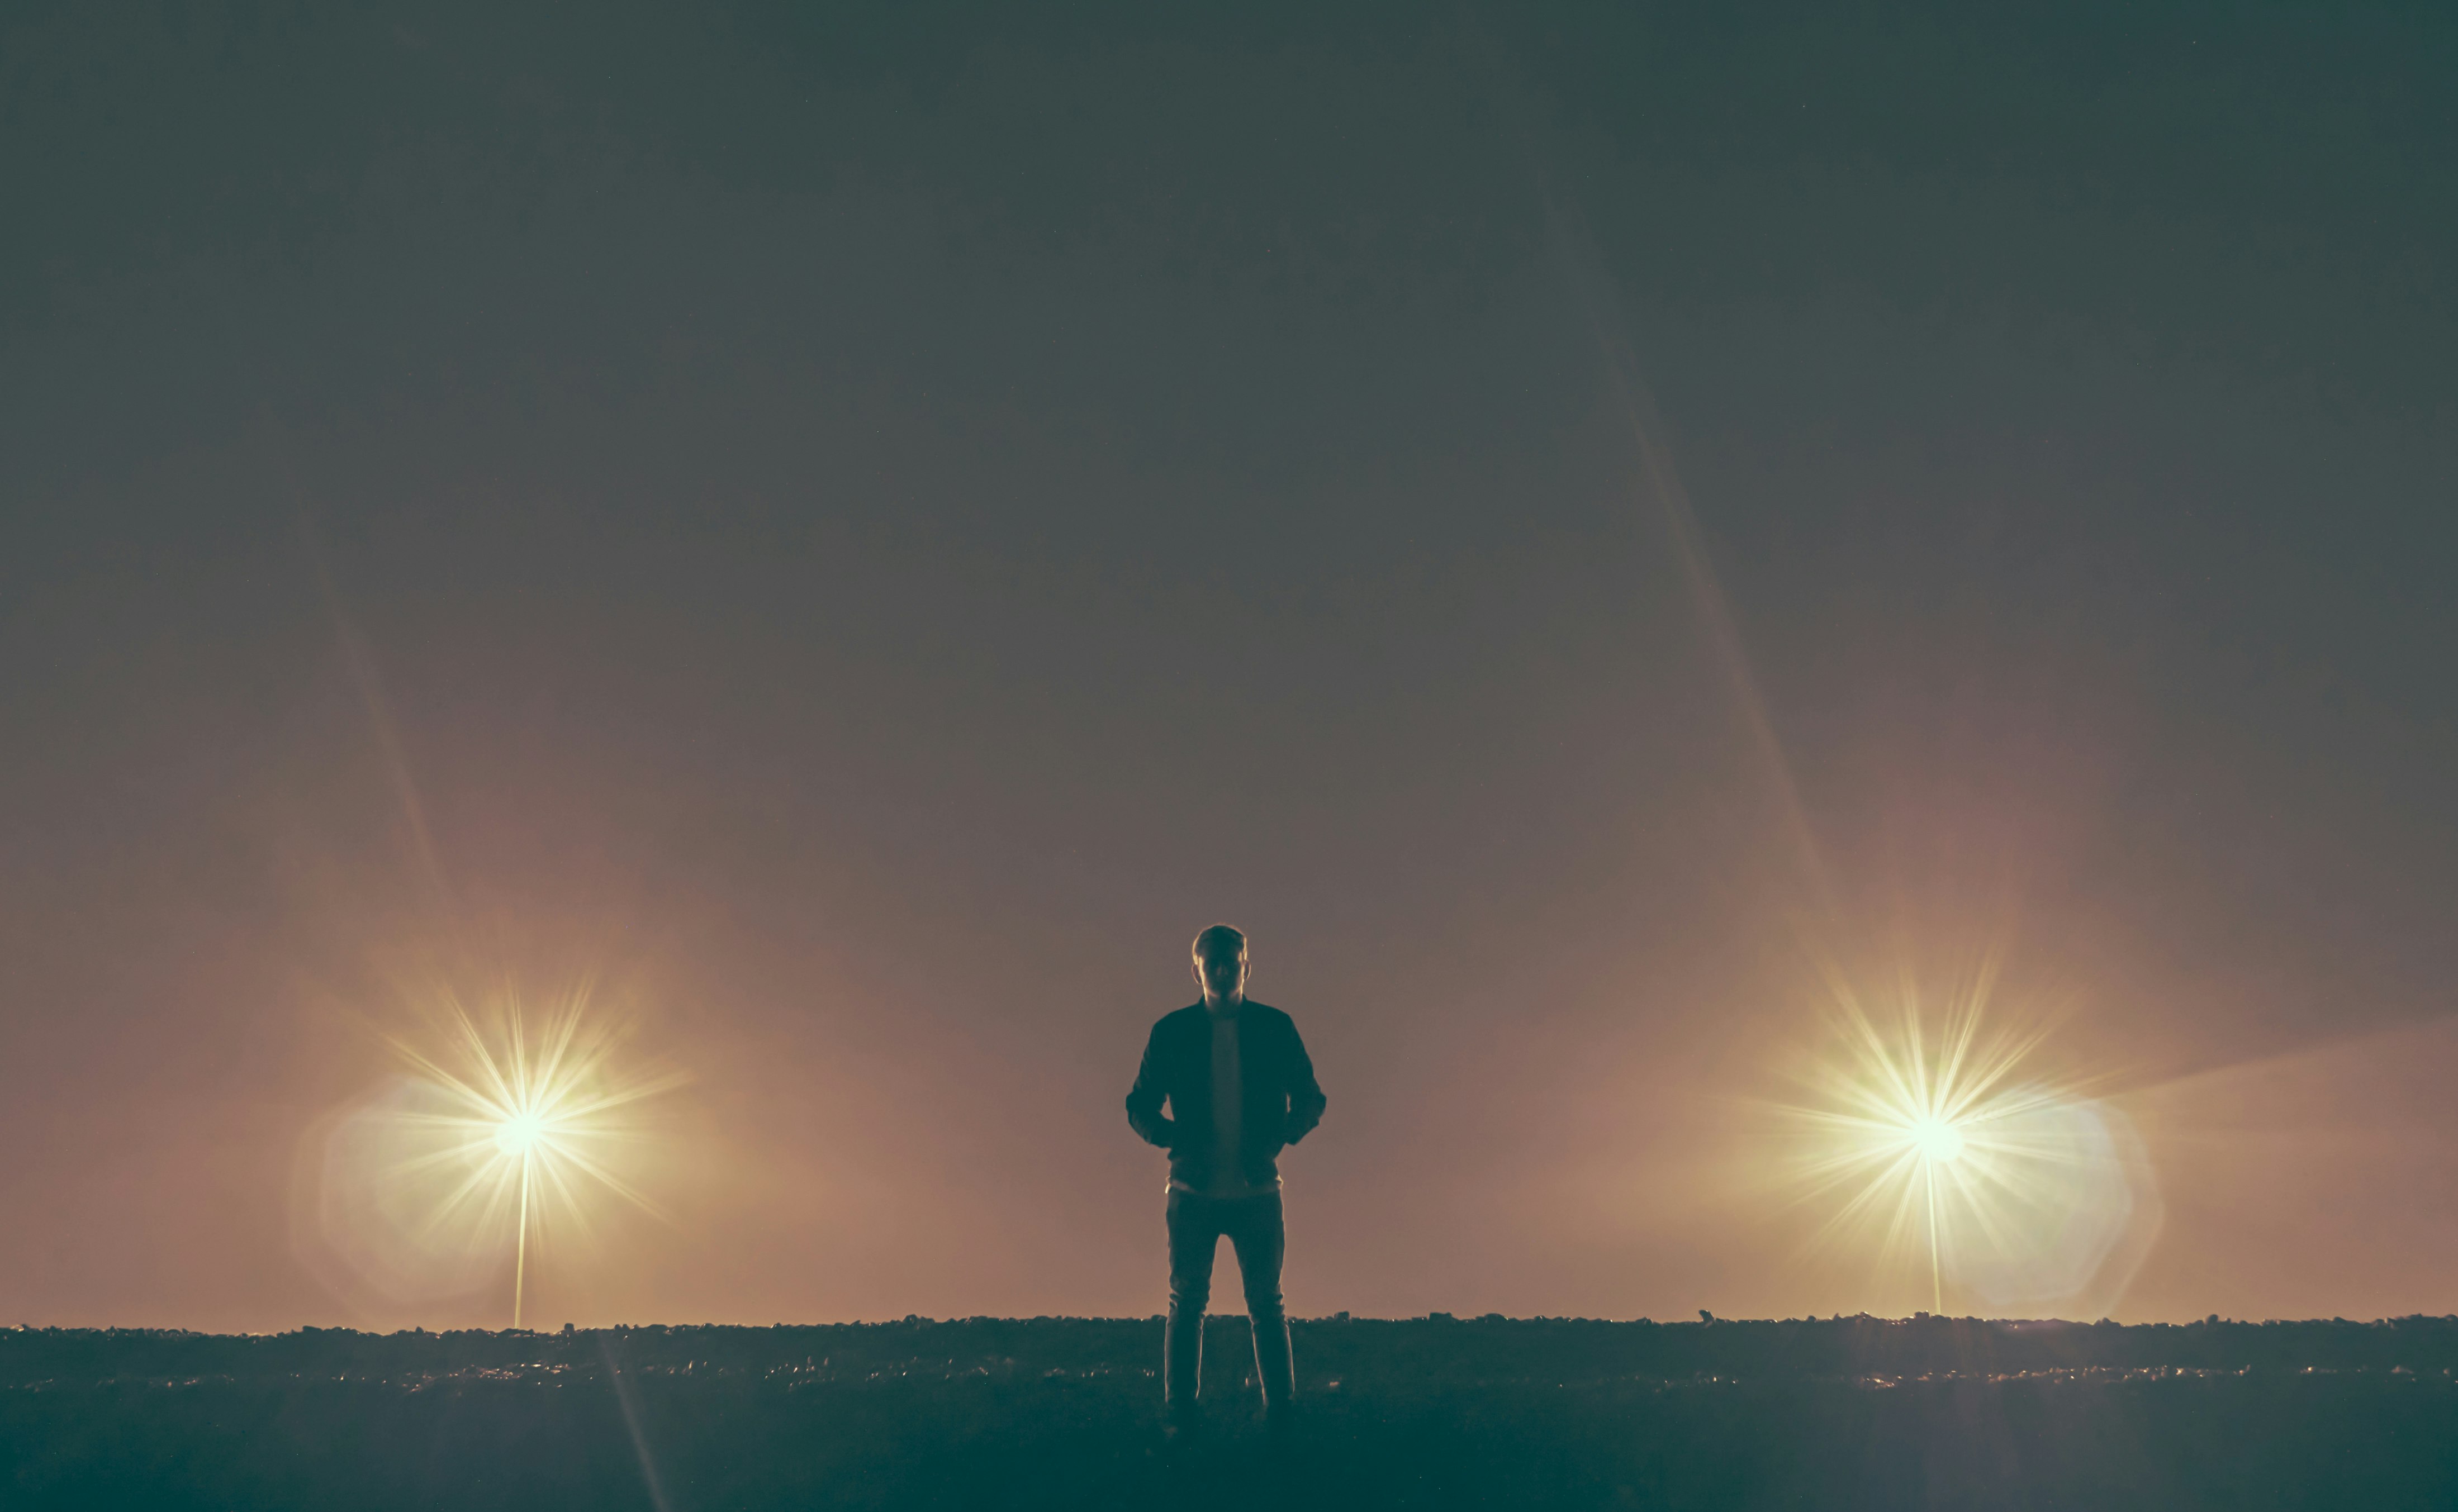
column 1228, row 1123
column 1231, row 1062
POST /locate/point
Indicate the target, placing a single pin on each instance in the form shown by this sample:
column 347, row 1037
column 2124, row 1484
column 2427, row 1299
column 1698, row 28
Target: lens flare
column 1940, row 1151
column 499, row 1132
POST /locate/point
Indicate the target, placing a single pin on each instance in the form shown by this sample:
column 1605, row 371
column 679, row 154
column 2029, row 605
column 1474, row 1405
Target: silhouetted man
column 1240, row 1088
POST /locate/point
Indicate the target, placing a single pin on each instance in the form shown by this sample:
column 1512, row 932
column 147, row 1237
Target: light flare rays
column 1939, row 1148
column 505, row 1127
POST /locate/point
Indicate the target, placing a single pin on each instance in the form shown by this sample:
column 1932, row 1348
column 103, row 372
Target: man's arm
column 1305, row 1096
column 1144, row 1099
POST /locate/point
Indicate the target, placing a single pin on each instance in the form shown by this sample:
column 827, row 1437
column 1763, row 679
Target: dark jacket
column 1280, row 1099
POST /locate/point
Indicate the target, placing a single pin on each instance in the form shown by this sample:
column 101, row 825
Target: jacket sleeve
column 1305, row 1096
column 1144, row 1099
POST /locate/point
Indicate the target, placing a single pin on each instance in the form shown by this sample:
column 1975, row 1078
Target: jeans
column 1259, row 1233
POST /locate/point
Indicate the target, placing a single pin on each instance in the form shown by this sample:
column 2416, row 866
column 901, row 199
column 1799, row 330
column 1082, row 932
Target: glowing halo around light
column 1937, row 1151
column 494, row 1136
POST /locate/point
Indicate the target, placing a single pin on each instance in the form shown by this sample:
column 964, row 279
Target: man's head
column 1220, row 965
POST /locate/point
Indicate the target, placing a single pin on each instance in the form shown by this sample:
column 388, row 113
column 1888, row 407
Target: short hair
column 1220, row 938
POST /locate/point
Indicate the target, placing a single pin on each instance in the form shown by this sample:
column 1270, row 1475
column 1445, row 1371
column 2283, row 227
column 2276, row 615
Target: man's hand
column 1144, row 1100
column 1305, row 1097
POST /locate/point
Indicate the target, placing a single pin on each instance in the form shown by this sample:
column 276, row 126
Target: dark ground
column 1063, row 1411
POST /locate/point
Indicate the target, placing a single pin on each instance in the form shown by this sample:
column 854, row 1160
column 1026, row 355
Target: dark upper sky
column 865, row 534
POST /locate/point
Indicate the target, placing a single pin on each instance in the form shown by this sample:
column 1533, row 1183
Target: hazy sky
column 864, row 536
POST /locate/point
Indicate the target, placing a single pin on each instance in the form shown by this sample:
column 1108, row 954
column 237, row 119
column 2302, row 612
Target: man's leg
column 1194, row 1237
column 1260, row 1233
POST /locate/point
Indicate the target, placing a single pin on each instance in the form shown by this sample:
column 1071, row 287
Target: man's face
column 1222, row 973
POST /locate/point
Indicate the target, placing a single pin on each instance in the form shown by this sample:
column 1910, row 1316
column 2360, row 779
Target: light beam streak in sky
column 1600, row 308
column 359, row 658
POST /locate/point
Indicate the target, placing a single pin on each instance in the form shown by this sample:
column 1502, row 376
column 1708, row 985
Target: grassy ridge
column 1363, row 1352
column 1856, row 1412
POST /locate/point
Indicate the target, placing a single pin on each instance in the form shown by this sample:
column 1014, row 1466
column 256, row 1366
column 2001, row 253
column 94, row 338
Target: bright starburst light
column 506, row 1128
column 1941, row 1151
